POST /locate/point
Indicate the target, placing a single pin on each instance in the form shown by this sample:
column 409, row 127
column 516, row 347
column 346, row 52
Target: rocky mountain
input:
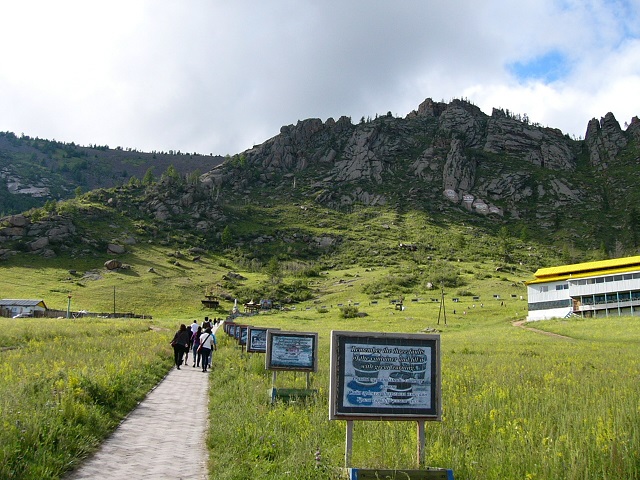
column 448, row 160
column 444, row 155
column 34, row 171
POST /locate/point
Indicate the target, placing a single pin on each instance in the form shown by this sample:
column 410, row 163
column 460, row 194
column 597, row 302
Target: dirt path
column 523, row 323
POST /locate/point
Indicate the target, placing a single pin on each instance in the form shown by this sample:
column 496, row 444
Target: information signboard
column 385, row 376
column 292, row 351
column 257, row 339
column 242, row 334
column 232, row 330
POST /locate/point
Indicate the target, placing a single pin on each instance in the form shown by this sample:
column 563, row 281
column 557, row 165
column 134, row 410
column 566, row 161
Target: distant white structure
column 592, row 289
column 25, row 308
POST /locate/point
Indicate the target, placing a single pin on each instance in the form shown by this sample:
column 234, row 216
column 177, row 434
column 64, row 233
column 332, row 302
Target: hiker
column 207, row 345
column 195, row 339
column 194, row 326
column 215, row 347
column 180, row 344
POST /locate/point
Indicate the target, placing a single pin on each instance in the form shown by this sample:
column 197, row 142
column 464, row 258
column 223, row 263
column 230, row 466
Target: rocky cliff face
column 604, row 140
column 452, row 148
column 442, row 157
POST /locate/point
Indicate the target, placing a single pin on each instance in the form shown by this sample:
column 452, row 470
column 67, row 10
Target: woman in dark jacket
column 180, row 344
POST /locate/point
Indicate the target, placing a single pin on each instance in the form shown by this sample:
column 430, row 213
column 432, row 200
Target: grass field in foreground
column 517, row 404
column 65, row 384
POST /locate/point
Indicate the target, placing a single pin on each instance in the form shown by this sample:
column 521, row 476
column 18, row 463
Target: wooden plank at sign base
column 290, row 393
column 378, row 474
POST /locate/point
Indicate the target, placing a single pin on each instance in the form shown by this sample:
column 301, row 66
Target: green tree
column 274, row 270
column 193, row 177
column 172, row 175
column 227, row 236
column 505, row 244
column 148, row 178
column 78, row 191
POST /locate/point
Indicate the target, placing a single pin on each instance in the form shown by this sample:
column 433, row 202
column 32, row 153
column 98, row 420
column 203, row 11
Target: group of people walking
column 198, row 339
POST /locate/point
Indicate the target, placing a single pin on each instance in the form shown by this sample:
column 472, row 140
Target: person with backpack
column 195, row 341
column 207, row 345
column 180, row 344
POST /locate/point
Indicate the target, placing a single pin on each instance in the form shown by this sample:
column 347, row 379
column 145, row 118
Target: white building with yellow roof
column 590, row 289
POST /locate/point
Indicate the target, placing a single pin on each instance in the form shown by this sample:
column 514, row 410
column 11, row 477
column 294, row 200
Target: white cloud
column 214, row 76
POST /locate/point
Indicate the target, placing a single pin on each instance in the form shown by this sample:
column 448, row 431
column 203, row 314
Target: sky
column 214, row 76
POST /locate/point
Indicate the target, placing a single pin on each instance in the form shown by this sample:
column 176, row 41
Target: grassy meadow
column 65, row 384
column 516, row 403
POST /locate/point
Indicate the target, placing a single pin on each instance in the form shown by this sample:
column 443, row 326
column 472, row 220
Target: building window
column 544, row 288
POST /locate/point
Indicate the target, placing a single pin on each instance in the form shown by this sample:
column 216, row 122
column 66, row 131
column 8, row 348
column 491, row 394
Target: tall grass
column 517, row 404
column 64, row 385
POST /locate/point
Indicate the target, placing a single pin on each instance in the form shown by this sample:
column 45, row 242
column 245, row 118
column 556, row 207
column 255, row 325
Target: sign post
column 386, row 376
column 421, row 443
column 293, row 351
column 348, row 449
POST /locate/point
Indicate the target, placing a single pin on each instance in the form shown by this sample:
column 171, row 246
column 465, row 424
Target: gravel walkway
column 163, row 438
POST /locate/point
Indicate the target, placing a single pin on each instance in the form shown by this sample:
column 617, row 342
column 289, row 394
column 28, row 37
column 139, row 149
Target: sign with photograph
column 242, row 334
column 384, row 376
column 292, row 351
column 232, row 330
column 257, row 339
column 236, row 332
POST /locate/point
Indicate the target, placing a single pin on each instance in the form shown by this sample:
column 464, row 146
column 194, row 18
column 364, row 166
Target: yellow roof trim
column 587, row 269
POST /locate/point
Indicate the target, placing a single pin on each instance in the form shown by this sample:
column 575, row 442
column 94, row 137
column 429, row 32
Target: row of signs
column 373, row 375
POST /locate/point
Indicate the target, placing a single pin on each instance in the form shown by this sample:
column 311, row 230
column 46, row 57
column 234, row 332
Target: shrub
column 348, row 311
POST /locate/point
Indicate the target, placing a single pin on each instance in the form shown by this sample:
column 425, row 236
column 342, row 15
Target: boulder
column 14, row 232
column 115, row 249
column 112, row 264
column 39, row 244
column 234, row 276
column 18, row 220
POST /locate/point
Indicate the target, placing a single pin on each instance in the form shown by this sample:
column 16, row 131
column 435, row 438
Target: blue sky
column 215, row 76
column 546, row 68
